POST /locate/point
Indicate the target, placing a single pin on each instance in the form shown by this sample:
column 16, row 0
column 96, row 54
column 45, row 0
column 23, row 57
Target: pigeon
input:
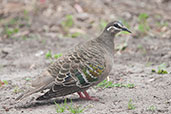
column 80, row 68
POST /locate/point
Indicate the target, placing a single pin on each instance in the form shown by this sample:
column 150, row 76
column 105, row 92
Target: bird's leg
column 81, row 96
column 88, row 97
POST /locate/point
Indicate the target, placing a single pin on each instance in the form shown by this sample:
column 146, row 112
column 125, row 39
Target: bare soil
column 39, row 30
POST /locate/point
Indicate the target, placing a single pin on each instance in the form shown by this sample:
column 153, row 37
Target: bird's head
column 116, row 27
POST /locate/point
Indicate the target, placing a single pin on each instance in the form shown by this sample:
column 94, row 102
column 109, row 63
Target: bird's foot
column 87, row 96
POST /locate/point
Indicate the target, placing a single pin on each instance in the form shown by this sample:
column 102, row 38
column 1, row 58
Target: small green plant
column 11, row 28
column 68, row 23
column 110, row 84
column 129, row 85
column 162, row 24
column 28, row 79
column 75, row 34
column 13, row 21
column 151, row 108
column 106, row 84
column 124, row 85
column 140, row 47
column 73, row 109
column 26, row 16
column 16, row 90
column 61, row 108
column 161, row 69
column 48, row 55
column 130, row 105
column 11, row 31
column 102, row 84
column 43, row 42
column 56, row 56
column 143, row 26
column 76, row 110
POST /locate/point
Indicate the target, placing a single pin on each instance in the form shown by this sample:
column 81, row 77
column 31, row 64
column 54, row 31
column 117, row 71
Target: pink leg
column 87, row 96
column 80, row 94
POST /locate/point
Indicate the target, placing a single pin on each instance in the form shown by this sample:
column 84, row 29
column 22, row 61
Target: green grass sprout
column 72, row 109
column 143, row 26
column 56, row 56
column 11, row 31
column 68, row 22
column 110, row 84
column 131, row 106
column 28, row 79
column 75, row 109
column 152, row 108
column 60, row 108
column 16, row 90
column 48, row 55
column 75, row 34
column 161, row 69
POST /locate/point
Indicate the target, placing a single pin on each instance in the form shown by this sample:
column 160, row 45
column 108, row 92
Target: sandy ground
column 22, row 53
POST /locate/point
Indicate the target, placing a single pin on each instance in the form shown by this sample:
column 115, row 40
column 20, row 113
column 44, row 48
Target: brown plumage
column 82, row 67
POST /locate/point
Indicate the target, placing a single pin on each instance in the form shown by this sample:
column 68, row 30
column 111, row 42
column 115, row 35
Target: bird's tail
column 42, row 82
column 28, row 93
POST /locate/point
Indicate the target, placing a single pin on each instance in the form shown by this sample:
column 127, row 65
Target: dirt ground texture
column 29, row 29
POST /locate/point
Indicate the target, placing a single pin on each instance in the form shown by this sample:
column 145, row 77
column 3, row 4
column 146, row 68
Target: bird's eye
column 116, row 25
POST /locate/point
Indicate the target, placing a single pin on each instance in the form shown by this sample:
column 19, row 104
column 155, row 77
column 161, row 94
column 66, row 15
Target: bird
column 80, row 68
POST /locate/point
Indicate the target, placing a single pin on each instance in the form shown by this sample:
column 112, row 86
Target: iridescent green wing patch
column 93, row 71
column 82, row 81
column 88, row 74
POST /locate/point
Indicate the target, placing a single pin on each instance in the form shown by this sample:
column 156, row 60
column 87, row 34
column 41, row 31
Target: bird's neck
column 107, row 40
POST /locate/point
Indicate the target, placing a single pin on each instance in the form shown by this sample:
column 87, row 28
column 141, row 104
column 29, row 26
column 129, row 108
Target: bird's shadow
column 46, row 102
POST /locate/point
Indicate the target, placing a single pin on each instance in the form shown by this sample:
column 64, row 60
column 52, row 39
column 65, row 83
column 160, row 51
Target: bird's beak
column 125, row 29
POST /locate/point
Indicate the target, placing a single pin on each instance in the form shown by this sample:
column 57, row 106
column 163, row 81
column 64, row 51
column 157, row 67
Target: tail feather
column 44, row 81
column 30, row 92
column 58, row 91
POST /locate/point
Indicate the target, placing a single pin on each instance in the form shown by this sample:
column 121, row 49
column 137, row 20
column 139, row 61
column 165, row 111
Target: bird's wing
column 82, row 67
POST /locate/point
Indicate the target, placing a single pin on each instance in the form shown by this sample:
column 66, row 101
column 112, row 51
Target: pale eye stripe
column 112, row 27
